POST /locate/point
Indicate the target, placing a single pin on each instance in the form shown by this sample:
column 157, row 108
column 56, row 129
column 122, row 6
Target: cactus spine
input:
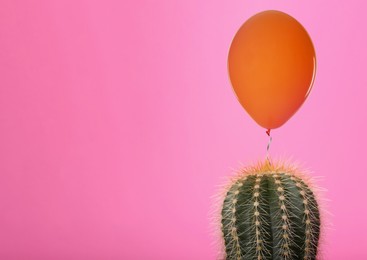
column 270, row 212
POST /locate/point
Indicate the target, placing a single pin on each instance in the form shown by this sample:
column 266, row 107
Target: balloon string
column 268, row 147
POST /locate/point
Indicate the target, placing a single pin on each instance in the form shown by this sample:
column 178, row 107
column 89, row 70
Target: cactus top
column 270, row 212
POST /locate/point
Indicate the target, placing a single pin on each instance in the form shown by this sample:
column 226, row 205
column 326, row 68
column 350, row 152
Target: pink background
column 118, row 121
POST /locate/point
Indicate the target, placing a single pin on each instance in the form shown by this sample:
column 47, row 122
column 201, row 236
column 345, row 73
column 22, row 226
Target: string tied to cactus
column 268, row 146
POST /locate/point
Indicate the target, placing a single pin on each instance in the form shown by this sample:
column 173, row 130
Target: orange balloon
column 272, row 65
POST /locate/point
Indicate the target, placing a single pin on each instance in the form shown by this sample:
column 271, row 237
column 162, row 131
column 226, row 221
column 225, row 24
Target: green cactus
column 270, row 212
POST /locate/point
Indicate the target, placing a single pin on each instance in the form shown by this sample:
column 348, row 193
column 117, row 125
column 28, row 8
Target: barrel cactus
column 270, row 211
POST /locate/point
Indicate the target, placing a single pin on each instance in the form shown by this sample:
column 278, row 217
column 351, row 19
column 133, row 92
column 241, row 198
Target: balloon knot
column 268, row 132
